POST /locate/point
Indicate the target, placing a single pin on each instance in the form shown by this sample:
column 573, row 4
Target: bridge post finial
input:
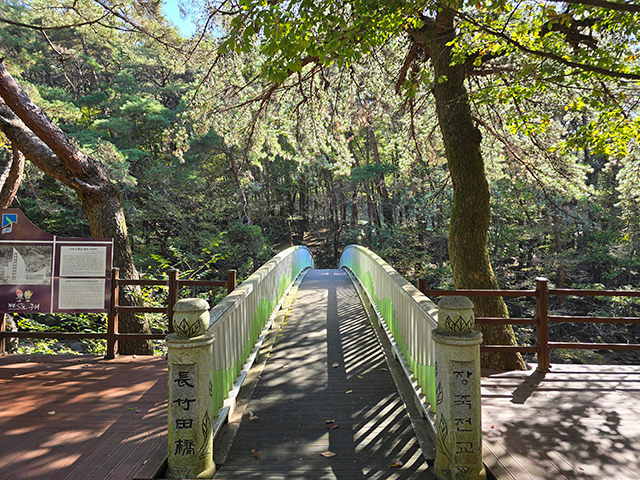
column 190, row 406
column 458, row 413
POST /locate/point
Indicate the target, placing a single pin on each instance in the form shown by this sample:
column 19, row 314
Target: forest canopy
column 450, row 137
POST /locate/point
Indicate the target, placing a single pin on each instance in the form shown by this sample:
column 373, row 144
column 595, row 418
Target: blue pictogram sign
column 8, row 219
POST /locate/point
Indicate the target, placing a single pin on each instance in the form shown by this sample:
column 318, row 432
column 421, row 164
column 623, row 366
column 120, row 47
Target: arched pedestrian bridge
column 312, row 374
column 324, row 402
column 326, row 387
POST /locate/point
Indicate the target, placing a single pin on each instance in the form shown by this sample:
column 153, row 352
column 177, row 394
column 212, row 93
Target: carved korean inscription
column 463, row 401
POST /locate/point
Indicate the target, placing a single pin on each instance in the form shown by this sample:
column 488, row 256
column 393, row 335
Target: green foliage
column 78, row 323
column 331, row 138
column 369, row 172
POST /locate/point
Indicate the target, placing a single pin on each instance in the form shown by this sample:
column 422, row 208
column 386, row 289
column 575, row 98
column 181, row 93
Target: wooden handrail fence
column 113, row 336
column 542, row 320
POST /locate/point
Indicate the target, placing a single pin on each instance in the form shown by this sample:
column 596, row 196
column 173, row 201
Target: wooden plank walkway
column 79, row 417
column 575, row 422
column 327, row 364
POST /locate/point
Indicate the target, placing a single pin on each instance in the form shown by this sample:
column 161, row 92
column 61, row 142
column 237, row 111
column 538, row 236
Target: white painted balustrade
column 408, row 317
column 239, row 320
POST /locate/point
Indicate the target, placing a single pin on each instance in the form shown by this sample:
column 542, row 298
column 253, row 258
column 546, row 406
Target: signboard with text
column 42, row 273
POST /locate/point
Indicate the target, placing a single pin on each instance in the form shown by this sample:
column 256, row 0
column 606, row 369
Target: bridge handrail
column 408, row 314
column 239, row 320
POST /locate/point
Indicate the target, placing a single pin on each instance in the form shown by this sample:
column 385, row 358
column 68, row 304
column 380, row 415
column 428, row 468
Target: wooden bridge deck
column 575, row 422
column 327, row 365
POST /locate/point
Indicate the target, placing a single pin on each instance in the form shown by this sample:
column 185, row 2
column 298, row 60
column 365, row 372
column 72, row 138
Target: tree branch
column 408, row 61
column 81, row 165
column 553, row 56
column 34, row 149
column 11, row 177
column 42, row 28
column 617, row 6
column 134, row 25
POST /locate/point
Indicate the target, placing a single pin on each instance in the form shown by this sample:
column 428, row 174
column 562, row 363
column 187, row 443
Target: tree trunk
column 333, row 200
column 558, row 244
column 372, row 204
column 354, row 206
column 470, row 213
column 385, row 204
column 343, row 203
column 354, row 196
column 234, row 171
column 48, row 147
column 11, row 177
column 304, row 209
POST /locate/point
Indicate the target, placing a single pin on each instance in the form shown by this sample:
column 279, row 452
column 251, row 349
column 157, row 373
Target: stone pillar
column 190, row 412
column 458, row 413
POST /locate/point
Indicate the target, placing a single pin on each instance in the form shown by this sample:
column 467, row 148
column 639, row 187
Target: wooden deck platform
column 575, row 422
column 79, row 417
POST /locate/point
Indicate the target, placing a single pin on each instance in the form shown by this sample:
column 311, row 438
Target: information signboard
column 42, row 273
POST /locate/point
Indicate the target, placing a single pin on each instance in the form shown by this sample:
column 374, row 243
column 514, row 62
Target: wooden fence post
column 422, row 285
column 173, row 297
column 542, row 308
column 3, row 326
column 231, row 281
column 112, row 319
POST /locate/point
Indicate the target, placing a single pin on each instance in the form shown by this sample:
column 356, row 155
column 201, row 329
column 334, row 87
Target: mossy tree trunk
column 470, row 214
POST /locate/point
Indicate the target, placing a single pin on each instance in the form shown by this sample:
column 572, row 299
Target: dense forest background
column 216, row 174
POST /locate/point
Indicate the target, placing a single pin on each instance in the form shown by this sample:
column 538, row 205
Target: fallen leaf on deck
column 396, row 465
column 349, row 391
column 360, row 376
column 384, row 369
column 328, row 454
column 256, row 454
column 330, row 421
column 335, row 364
column 332, row 426
column 252, row 416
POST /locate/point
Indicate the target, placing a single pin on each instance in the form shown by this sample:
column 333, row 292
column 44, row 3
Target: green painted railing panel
column 239, row 320
column 407, row 313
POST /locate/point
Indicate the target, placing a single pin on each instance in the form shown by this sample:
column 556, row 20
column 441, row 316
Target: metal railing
column 408, row 315
column 173, row 283
column 543, row 319
column 240, row 321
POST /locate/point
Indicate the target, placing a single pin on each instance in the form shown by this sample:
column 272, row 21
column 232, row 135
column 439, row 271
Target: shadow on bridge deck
column 326, row 364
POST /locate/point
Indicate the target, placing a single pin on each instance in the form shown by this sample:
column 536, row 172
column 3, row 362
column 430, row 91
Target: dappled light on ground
column 577, row 421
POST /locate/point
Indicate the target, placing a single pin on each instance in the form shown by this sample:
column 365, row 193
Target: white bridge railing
column 239, row 320
column 406, row 315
